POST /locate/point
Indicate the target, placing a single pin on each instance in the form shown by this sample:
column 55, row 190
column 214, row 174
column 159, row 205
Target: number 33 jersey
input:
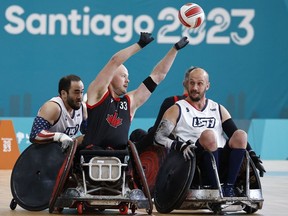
column 108, row 123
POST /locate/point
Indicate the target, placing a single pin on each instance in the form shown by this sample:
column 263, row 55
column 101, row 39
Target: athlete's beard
column 198, row 98
column 73, row 104
column 195, row 99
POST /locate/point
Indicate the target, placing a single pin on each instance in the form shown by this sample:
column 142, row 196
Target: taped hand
column 145, row 39
column 258, row 163
column 186, row 149
column 181, row 44
column 66, row 144
column 64, row 139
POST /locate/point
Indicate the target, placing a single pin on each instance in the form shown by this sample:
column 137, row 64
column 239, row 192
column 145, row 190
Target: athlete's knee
column 238, row 139
column 208, row 140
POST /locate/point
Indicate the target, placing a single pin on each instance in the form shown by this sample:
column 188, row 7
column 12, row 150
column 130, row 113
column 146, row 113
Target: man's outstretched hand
column 181, row 44
column 145, row 39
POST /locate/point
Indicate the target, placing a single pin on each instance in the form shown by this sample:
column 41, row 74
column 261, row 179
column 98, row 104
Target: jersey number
column 123, row 105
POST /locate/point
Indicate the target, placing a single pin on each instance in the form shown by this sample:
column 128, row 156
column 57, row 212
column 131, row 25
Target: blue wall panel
column 243, row 45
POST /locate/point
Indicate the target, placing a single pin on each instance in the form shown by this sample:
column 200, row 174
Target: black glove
column 258, row 163
column 181, row 44
column 145, row 39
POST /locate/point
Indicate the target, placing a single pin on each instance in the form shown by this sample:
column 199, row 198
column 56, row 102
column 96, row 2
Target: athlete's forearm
column 162, row 134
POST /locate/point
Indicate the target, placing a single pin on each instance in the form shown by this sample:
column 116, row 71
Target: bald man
column 110, row 106
column 202, row 121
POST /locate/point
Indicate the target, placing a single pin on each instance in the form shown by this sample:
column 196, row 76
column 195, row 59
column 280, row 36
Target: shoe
column 228, row 190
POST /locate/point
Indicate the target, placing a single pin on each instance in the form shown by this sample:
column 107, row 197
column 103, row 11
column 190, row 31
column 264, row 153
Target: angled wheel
column 101, row 209
column 141, row 174
column 80, row 208
column 34, row 174
column 173, row 181
column 13, row 204
column 216, row 208
column 254, row 182
column 133, row 209
column 123, row 208
column 152, row 159
column 63, row 174
column 254, row 179
column 254, row 174
column 250, row 210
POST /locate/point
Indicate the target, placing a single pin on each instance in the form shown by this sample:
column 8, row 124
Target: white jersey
column 193, row 122
column 67, row 124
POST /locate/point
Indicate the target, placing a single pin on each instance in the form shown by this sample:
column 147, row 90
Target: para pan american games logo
column 204, row 122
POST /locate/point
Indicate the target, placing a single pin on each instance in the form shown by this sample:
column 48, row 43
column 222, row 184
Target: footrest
column 104, row 168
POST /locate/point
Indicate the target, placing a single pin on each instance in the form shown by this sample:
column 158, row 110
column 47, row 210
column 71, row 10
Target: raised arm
column 163, row 67
column 99, row 86
column 143, row 92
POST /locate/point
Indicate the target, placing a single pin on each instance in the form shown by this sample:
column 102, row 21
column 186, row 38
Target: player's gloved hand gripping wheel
column 185, row 148
column 64, row 139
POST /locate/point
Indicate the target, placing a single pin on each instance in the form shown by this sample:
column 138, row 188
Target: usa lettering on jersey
column 208, row 122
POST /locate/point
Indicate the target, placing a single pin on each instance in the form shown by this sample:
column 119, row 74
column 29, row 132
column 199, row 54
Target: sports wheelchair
column 100, row 180
column 179, row 186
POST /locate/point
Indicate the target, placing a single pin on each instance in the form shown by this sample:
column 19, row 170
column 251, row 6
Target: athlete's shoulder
column 181, row 101
column 213, row 106
column 51, row 106
column 57, row 99
column 212, row 102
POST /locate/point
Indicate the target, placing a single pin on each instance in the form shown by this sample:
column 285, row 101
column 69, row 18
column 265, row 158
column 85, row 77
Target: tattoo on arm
column 164, row 129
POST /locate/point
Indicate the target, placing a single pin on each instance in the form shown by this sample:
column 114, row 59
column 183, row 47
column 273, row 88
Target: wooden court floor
column 274, row 185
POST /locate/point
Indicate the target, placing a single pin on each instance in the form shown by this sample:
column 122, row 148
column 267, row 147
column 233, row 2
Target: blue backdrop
column 243, row 45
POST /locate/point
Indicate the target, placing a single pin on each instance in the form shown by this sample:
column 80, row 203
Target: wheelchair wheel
column 152, row 159
column 80, row 208
column 13, row 204
column 254, row 180
column 173, row 181
column 33, row 176
column 62, row 177
column 123, row 208
column 250, row 210
column 133, row 209
column 216, row 208
column 141, row 174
